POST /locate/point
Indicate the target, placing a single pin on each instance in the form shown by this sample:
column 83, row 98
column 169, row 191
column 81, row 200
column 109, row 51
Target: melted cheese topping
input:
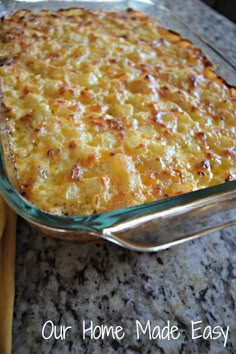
column 109, row 110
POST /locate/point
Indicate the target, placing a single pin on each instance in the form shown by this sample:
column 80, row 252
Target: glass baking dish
column 148, row 227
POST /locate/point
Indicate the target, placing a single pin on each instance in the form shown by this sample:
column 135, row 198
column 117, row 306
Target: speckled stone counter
column 72, row 286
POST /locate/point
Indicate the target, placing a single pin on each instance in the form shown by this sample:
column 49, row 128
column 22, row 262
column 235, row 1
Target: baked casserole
column 107, row 110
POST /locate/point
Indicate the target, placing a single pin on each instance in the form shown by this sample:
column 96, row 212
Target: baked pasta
column 108, row 110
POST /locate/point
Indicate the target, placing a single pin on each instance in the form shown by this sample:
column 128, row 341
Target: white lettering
column 118, row 330
column 99, row 332
column 103, row 331
column 216, row 332
column 225, row 335
column 173, row 330
column 207, row 332
column 57, row 333
column 147, row 328
column 44, row 328
column 194, row 330
column 167, row 332
column 210, row 333
column 89, row 329
column 156, row 332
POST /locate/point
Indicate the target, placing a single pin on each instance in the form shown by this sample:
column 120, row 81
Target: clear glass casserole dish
column 148, row 227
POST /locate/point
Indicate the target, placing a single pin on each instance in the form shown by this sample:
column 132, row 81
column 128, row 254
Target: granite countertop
column 70, row 285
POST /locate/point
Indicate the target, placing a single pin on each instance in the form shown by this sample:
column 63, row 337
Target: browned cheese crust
column 109, row 110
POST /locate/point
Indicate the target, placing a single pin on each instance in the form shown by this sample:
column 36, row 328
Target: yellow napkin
column 7, row 275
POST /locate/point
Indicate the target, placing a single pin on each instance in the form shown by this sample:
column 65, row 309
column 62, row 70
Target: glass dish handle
column 164, row 229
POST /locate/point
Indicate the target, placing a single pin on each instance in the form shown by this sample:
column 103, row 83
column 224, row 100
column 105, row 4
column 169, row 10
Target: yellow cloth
column 7, row 275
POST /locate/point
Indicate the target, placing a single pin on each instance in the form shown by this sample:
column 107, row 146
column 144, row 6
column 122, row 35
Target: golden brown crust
column 110, row 109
